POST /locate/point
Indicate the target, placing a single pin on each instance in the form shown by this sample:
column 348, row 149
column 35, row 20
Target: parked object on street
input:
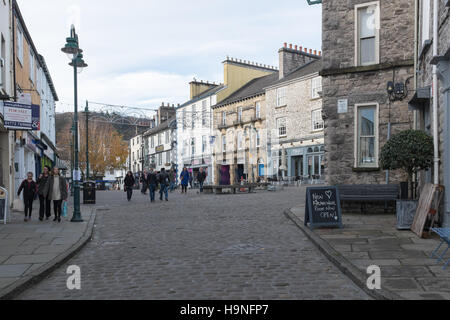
column 89, row 195
column 323, row 207
column 444, row 233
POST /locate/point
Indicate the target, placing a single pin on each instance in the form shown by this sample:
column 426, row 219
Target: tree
column 410, row 150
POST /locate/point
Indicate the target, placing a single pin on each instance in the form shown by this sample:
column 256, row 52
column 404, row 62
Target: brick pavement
column 30, row 249
column 199, row 247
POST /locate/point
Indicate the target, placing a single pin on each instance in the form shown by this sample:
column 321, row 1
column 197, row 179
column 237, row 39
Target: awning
column 420, row 99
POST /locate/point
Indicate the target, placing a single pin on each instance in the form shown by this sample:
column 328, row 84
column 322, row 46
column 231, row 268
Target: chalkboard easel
column 323, row 207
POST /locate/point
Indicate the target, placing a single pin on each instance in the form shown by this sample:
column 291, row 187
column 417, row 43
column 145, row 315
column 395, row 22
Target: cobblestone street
column 199, row 247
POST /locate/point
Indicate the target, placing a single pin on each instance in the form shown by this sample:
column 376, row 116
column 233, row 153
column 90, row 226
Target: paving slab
column 15, row 270
column 398, row 254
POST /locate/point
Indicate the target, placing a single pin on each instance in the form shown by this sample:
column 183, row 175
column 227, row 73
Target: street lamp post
column 75, row 54
column 71, row 159
column 86, row 110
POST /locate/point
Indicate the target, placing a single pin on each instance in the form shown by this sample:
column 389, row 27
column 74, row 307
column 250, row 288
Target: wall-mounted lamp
column 397, row 91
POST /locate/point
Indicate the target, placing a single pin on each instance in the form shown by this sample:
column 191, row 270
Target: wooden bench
column 369, row 192
column 219, row 189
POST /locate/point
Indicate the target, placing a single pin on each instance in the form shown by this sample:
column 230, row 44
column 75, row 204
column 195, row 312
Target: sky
column 142, row 53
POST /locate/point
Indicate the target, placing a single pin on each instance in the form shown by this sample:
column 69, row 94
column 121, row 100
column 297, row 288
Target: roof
column 253, row 88
column 302, row 71
column 162, row 127
column 202, row 96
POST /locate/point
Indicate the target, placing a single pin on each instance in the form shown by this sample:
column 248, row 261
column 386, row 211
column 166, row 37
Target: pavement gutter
column 13, row 290
column 356, row 275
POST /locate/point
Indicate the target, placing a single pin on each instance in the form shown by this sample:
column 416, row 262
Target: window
column 160, row 159
column 137, row 140
column 367, row 33
column 192, row 146
column 184, row 119
column 258, row 139
column 184, row 147
column 224, row 144
column 224, row 118
column 425, row 20
column 2, row 61
column 367, row 135
column 193, row 116
column 317, row 120
column 159, row 139
column 203, row 144
column 152, row 142
column 167, row 137
column 281, row 97
column 20, row 44
column 239, row 114
column 32, row 67
column 204, row 113
column 316, row 87
column 240, row 141
column 258, row 110
column 281, row 126
column 168, row 160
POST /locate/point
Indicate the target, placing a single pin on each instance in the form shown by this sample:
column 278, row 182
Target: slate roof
column 253, row 88
column 309, row 68
column 204, row 95
column 162, row 127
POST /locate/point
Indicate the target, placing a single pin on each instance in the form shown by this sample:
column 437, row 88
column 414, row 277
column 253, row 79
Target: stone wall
column 364, row 84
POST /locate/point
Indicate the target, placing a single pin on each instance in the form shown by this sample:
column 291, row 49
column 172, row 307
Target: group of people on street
column 48, row 187
column 165, row 180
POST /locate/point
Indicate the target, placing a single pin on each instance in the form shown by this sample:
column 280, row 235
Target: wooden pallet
column 429, row 202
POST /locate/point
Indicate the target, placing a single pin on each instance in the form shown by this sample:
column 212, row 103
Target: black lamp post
column 75, row 54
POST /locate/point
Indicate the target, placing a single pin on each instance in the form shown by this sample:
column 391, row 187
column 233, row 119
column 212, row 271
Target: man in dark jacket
column 152, row 182
column 163, row 179
column 201, row 177
column 44, row 201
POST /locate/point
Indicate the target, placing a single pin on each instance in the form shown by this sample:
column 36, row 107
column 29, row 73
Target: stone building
column 422, row 101
column 194, row 129
column 294, row 116
column 240, row 150
column 366, row 44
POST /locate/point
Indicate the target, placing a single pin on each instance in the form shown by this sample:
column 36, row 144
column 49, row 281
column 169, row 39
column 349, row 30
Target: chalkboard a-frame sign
column 323, row 207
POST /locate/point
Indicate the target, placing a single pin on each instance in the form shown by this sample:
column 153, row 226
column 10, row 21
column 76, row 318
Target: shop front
column 304, row 162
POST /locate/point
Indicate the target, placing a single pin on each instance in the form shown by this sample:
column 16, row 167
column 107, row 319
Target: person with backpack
column 184, row 177
column 30, row 190
column 163, row 179
column 152, row 182
column 56, row 191
column 129, row 185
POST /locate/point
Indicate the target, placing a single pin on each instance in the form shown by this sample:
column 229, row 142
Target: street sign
column 17, row 116
column 323, row 207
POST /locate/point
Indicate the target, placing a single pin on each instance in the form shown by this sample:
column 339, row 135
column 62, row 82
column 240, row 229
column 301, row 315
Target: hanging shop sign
column 17, row 116
column 35, row 117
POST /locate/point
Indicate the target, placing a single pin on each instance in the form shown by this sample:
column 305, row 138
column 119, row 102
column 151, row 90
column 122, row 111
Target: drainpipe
column 416, row 53
column 435, row 93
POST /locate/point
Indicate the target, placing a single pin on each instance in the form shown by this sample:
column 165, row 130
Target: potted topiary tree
column 411, row 151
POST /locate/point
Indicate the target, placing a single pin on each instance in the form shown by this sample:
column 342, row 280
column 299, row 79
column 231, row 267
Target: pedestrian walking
column 184, row 177
column 172, row 179
column 163, row 179
column 201, row 177
column 144, row 182
column 152, row 181
column 44, row 202
column 29, row 188
column 56, row 191
column 129, row 184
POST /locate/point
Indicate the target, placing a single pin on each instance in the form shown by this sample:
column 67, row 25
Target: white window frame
column 193, row 146
column 20, row 48
column 317, row 125
column 240, row 111
column 224, row 118
column 184, row 119
column 168, row 160
column 224, row 143
column 282, row 97
column 357, row 163
column 204, row 143
column 194, row 111
column 240, row 140
column 425, row 20
column 377, row 33
column 204, row 113
column 258, row 139
column 160, row 159
column 159, row 139
column 316, row 87
column 280, row 135
column 258, row 110
column 32, row 67
column 167, row 137
column 152, row 142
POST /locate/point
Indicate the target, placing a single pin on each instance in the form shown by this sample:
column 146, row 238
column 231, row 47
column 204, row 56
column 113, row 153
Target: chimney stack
column 291, row 59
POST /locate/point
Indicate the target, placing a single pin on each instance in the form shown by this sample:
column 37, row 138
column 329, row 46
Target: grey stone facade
column 344, row 79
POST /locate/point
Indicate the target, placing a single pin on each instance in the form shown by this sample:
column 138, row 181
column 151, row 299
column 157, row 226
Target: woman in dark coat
column 29, row 188
column 56, row 191
column 129, row 184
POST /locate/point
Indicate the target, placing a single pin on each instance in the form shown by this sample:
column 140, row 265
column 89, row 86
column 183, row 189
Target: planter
column 406, row 211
